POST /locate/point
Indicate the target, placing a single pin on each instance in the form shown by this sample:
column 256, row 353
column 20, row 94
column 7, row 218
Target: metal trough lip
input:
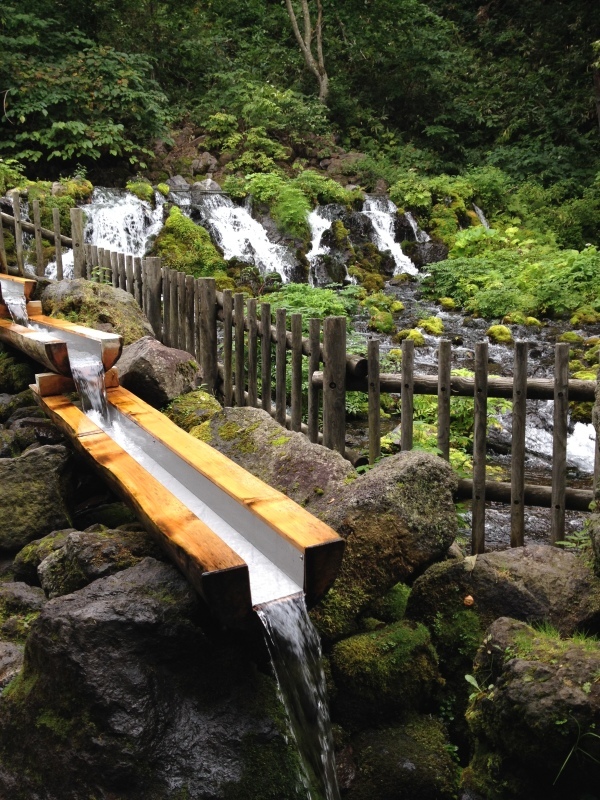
column 106, row 345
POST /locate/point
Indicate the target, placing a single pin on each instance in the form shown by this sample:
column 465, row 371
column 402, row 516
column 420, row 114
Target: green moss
column 499, row 334
column 141, row 189
column 392, row 606
column 202, row 432
column 192, row 409
column 164, row 189
column 280, row 440
column 336, row 614
column 410, row 333
column 229, row 431
column 570, row 337
column 447, row 303
column 586, row 374
column 382, row 322
column 58, row 725
column 585, row 316
column 187, row 247
column 340, row 234
column 533, row 322
column 431, row 325
column 15, row 373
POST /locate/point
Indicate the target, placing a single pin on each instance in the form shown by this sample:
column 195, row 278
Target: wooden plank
column 533, row 495
column 252, row 353
column 129, row 285
column 154, row 295
column 208, row 334
column 30, row 228
column 173, row 306
column 189, row 314
column 334, row 390
column 213, row 568
column 77, row 236
column 265, row 356
column 167, row 334
column 3, row 261
column 197, row 321
column 280, row 366
column 87, row 260
column 40, row 263
column 444, row 382
column 238, row 317
column 27, row 285
column 314, row 362
column 407, row 397
column 106, row 267
column 51, row 354
column 479, row 449
column 121, row 271
column 517, row 467
column 111, row 344
column 57, row 244
column 49, row 384
column 296, row 398
column 114, row 268
column 374, row 402
column 180, row 310
column 559, row 442
column 138, row 280
column 16, row 204
column 228, row 347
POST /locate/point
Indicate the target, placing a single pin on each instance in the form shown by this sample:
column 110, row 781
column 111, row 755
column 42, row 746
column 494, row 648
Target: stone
column 178, row 183
column 31, row 556
column 9, row 403
column 122, row 694
column 192, row 409
column 9, row 447
column 201, row 187
column 536, row 714
column 98, row 306
column 34, row 497
column 596, row 423
column 594, row 529
column 404, row 762
column 20, row 604
column 11, row 661
column 16, row 371
column 423, row 253
column 205, row 162
column 85, row 556
column 157, row 373
column 42, row 430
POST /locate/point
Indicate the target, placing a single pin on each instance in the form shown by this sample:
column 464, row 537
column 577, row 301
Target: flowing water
column 240, row 236
column 87, row 370
column 15, row 301
column 382, row 213
column 481, row 216
column 420, row 235
column 296, row 655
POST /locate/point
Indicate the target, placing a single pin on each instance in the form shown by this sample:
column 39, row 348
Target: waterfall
column 240, row 236
column 481, row 216
column 116, row 220
column 295, row 652
column 420, row 235
column 382, row 213
column 15, row 301
column 320, row 220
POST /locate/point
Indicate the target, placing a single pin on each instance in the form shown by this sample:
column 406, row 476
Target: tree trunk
column 305, row 41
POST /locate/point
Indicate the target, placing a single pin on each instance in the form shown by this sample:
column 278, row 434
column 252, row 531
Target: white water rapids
column 382, row 213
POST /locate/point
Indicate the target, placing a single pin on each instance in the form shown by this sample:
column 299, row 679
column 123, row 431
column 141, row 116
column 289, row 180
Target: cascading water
column 119, row 221
column 87, row 370
column 320, row 220
column 481, row 216
column 242, row 237
column 295, row 652
column 15, row 301
column 421, row 236
column 382, row 213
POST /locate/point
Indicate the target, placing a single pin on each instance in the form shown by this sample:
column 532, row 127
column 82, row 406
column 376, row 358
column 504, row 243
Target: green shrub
column 187, row 247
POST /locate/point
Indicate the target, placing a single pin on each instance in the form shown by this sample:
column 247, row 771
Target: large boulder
column 11, row 661
column 123, row 695
column 34, row 496
column 98, row 306
column 192, row 409
column 536, row 715
column 396, row 520
column 19, row 606
column 157, row 373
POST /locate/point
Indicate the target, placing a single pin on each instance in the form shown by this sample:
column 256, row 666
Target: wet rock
column 123, row 695
column 192, row 409
column 9, row 403
column 31, row 556
column 404, row 762
column 423, row 253
column 11, row 661
column 156, row 373
column 178, row 183
column 535, row 716
column 205, row 162
column 9, row 447
column 42, row 430
column 98, row 306
column 34, row 496
column 111, row 515
column 83, row 557
column 28, row 412
column 16, row 371
column 19, row 606
column 201, row 187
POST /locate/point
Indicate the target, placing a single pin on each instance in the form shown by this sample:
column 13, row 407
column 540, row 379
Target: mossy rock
column 98, row 306
column 31, row 556
column 382, row 322
column 13, row 403
column 112, row 515
column 187, row 247
column 383, row 302
column 141, row 189
column 16, row 372
column 514, row 318
column 431, row 325
column 382, row 674
column 405, row 762
column 499, row 334
column 192, row 409
column 410, row 333
column 581, row 412
column 392, row 606
column 533, row 322
column 447, row 303
column 20, row 605
column 570, row 337
column 586, row 374
column 585, row 316
column 164, row 189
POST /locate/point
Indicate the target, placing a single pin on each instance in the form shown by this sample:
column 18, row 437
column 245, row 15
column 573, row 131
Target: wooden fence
column 192, row 315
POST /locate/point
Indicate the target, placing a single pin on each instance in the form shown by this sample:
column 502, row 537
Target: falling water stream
column 382, row 213
column 15, row 301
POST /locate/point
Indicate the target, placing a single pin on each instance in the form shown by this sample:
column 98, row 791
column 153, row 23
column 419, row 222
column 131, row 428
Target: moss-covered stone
column 533, row 322
column 570, row 337
column 382, row 322
column 20, row 605
column 141, row 189
column 410, row 333
column 14, row 403
column 187, row 247
column 392, row 606
column 499, row 334
column 16, row 372
column 192, row 409
column 382, row 674
column 431, row 325
column 586, row 315
column 31, row 556
column 447, row 303
column 164, row 189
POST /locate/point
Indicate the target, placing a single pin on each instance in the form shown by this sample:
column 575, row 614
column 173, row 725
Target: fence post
column 444, row 378
column 559, row 442
column 479, row 448
column 208, row 333
column 114, row 268
column 122, row 275
column 296, row 405
column 77, row 236
column 252, row 353
column 228, row 347
column 40, row 265
column 167, row 319
column 374, row 401
column 153, row 294
column 314, row 361
column 334, row 383
column 16, row 204
column 189, row 314
column 265, row 356
column 57, row 243
column 517, row 466
column 238, row 314
column 138, row 280
column 3, row 261
column 106, row 267
column 196, row 319
column 280, row 365
column 128, row 274
column 174, row 323
column 407, row 396
column 181, row 310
